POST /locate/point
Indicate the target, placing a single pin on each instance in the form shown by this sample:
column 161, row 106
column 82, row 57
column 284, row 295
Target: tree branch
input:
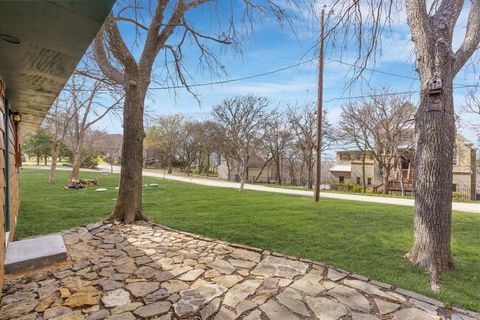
column 417, row 17
column 472, row 38
column 117, row 46
column 102, row 59
column 135, row 22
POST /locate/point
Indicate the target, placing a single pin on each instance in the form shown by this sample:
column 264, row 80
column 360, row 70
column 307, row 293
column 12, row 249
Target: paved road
column 457, row 206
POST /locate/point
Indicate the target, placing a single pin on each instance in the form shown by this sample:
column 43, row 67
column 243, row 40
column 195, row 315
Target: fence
column 464, row 193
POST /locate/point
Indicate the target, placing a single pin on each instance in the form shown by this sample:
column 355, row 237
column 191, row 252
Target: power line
column 204, row 84
column 374, row 70
column 236, row 79
column 460, row 86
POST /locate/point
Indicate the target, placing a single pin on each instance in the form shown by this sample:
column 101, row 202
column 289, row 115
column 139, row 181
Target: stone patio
column 147, row 271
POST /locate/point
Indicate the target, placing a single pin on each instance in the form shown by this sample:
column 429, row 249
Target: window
column 341, row 179
column 369, row 181
column 454, row 187
column 358, row 180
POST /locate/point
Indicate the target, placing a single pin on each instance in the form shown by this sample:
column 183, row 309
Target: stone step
column 34, row 253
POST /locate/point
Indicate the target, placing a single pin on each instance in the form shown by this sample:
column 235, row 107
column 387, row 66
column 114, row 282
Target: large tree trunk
column 129, row 207
column 435, row 137
column 52, row 178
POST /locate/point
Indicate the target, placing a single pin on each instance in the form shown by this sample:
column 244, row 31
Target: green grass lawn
column 369, row 239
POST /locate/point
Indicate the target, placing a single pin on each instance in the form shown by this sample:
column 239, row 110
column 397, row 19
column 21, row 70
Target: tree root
column 139, row 216
column 434, row 280
column 434, row 270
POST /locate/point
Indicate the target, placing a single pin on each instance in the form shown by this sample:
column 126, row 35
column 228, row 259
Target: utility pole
column 319, row 107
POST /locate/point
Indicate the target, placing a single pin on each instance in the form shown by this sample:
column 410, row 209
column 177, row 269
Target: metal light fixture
column 9, row 38
column 17, row 117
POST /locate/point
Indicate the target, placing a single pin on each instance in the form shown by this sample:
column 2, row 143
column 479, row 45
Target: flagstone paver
column 146, row 271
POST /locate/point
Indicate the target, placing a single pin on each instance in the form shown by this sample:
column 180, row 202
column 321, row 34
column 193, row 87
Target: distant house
column 257, row 168
column 291, row 172
column 348, row 169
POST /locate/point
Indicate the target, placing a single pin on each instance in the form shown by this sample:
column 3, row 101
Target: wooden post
column 319, row 109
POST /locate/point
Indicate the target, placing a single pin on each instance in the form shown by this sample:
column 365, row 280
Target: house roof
column 53, row 37
column 341, row 168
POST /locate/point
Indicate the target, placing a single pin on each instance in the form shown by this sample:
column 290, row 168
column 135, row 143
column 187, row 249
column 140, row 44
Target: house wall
column 357, row 172
column 354, row 159
column 222, row 171
column 266, row 175
column 13, row 189
column 346, row 176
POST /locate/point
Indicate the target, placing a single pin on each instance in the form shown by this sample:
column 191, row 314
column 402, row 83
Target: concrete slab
column 34, row 253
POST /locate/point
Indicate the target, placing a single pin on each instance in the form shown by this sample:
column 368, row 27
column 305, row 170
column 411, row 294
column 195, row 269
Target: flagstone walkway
column 148, row 271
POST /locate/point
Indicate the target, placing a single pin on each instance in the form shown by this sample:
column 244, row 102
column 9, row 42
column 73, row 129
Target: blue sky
column 272, row 47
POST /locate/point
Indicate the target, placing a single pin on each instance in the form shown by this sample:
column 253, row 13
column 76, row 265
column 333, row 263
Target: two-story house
column 348, row 169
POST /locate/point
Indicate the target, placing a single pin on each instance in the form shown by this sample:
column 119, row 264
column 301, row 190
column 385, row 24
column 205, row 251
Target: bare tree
column 276, row 140
column 57, row 122
column 304, row 126
column 376, row 126
column 162, row 28
column 352, row 131
column 386, row 117
column 91, row 99
column 243, row 119
column 211, row 141
column 472, row 102
column 294, row 159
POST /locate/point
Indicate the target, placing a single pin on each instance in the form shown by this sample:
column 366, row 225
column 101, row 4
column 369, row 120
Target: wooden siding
column 14, row 189
column 2, row 192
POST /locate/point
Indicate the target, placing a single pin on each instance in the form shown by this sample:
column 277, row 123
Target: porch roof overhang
column 341, row 168
column 53, row 35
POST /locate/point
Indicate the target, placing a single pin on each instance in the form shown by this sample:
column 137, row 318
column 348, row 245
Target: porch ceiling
column 53, row 36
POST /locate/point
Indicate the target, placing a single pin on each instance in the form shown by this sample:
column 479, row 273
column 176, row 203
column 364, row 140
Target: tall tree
column 432, row 27
column 276, row 140
column 165, row 135
column 211, row 141
column 190, row 143
column 57, row 121
column 352, row 131
column 243, row 119
column 91, row 100
column 432, row 33
column 162, row 27
column 38, row 145
column 386, row 118
column 304, row 126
